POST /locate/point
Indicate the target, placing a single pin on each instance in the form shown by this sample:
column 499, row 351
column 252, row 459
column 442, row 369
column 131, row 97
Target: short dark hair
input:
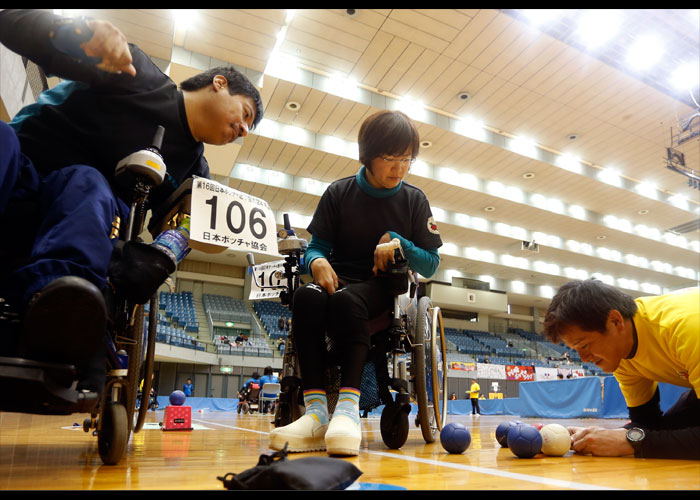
column 268, row 370
column 586, row 304
column 387, row 133
column 256, row 375
column 238, row 84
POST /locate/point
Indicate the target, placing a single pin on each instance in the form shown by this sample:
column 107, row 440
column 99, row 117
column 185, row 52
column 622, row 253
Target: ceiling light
column 292, row 106
column 600, row 237
column 420, row 168
column 414, row 109
column 470, row 127
column 464, row 96
column 610, row 176
column 643, row 211
column 569, row 162
column 342, row 86
column 577, row 211
column 685, row 76
column 528, row 175
column 647, row 189
column 184, row 18
column 538, row 17
column 524, row 146
column 489, row 209
column 425, row 144
column 645, row 52
column 598, row 26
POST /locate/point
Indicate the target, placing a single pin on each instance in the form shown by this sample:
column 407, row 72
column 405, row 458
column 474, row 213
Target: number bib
column 223, row 216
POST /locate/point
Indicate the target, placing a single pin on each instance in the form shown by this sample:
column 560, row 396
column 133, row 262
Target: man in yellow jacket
column 474, row 396
column 642, row 342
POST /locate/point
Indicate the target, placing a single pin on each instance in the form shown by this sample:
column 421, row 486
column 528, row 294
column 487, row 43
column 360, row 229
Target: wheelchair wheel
column 133, row 344
column 394, row 425
column 290, row 406
column 148, row 364
column 427, row 369
column 113, row 434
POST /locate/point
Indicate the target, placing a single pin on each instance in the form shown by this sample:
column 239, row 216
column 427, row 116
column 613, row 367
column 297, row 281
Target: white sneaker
column 304, row 434
column 344, row 436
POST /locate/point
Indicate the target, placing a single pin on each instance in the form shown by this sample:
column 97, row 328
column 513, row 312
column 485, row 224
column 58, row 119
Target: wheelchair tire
column 148, row 363
column 113, row 434
column 134, row 349
column 421, row 370
column 438, row 372
column 394, row 425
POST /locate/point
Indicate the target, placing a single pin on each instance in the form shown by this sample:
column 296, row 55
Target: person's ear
column 615, row 317
column 220, row 82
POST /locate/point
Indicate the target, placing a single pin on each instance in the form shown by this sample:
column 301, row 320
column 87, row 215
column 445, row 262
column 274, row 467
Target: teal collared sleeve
column 317, row 248
column 424, row 262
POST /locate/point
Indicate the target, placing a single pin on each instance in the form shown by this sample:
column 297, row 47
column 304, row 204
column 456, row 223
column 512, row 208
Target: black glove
column 137, row 270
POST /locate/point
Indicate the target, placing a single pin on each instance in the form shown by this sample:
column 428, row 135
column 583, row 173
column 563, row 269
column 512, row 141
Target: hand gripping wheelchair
column 410, row 340
column 50, row 388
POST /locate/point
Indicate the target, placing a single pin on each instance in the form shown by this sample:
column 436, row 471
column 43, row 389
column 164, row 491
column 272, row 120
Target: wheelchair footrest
column 42, row 388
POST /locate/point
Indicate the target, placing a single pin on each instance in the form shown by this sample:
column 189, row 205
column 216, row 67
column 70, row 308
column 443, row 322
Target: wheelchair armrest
column 172, row 210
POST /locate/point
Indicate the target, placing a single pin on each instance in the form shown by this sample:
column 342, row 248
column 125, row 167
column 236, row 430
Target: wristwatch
column 635, row 437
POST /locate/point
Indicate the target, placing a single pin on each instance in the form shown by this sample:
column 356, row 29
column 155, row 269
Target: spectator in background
column 289, row 324
column 474, row 397
column 281, row 324
column 255, row 378
column 453, row 396
column 268, row 378
column 280, row 344
column 188, row 388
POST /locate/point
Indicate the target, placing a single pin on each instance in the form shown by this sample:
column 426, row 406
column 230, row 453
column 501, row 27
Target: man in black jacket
column 57, row 163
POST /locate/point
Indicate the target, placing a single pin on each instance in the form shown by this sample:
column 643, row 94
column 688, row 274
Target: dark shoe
column 65, row 322
column 10, row 328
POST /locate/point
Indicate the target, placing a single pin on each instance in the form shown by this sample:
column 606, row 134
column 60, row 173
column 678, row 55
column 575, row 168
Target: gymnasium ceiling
column 489, row 189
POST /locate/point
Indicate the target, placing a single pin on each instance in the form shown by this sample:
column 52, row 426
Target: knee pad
column 137, row 270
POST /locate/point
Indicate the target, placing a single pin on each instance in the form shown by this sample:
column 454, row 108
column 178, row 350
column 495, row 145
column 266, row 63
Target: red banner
column 523, row 373
column 461, row 365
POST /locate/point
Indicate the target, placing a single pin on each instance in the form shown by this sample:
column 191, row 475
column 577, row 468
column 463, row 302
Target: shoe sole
column 342, row 445
column 297, row 444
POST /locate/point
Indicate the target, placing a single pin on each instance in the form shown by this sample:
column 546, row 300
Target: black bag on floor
column 275, row 472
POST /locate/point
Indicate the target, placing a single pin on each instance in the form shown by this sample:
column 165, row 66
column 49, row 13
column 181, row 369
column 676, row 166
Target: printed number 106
column 254, row 219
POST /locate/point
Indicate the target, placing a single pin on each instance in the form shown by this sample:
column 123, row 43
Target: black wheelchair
column 409, row 341
column 50, row 388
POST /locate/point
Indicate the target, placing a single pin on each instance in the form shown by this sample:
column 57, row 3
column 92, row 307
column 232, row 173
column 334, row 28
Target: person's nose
column 244, row 129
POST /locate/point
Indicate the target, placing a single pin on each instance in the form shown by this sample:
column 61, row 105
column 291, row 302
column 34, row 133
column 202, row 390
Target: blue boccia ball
column 455, row 438
column 524, row 440
column 177, row 398
column 502, row 432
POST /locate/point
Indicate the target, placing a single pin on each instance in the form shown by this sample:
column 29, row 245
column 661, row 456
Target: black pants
column 344, row 316
column 475, row 406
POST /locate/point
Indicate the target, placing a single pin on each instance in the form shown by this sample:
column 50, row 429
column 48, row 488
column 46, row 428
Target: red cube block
column 177, row 418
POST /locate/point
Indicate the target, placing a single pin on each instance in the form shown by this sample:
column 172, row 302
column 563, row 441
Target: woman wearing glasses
column 354, row 217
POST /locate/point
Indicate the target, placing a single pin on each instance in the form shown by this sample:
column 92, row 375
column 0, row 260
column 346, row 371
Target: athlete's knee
column 310, row 297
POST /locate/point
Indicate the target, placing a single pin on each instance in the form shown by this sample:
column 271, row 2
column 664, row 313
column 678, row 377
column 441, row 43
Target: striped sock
column 317, row 404
column 348, row 403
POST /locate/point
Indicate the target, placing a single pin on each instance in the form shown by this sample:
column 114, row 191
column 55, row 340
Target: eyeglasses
column 404, row 162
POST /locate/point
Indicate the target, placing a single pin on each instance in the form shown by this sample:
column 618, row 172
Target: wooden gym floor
column 49, row 453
